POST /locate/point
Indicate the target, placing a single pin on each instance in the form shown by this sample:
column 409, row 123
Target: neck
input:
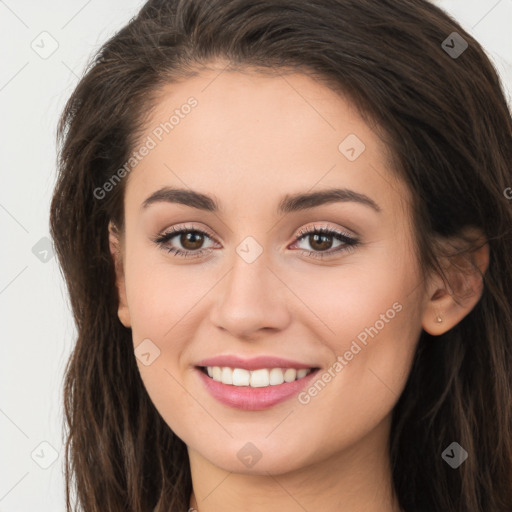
column 357, row 479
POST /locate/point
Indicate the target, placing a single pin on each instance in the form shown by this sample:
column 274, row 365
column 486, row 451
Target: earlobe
column 449, row 302
column 116, row 252
column 439, row 315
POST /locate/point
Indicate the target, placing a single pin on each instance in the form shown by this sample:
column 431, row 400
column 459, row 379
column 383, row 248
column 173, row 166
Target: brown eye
column 191, row 240
column 320, row 242
column 322, row 239
column 185, row 242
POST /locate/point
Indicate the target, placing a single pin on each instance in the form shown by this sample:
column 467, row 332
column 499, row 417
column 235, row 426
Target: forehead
column 252, row 136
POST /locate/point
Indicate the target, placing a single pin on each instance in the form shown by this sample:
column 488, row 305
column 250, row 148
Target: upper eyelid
column 183, row 227
column 315, row 228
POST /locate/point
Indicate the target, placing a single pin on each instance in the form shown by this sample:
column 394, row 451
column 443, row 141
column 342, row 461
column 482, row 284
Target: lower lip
column 254, row 399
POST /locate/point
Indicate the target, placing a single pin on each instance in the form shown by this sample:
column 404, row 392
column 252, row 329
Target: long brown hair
column 448, row 127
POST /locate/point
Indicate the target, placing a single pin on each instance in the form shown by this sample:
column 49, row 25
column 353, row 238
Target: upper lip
column 254, row 363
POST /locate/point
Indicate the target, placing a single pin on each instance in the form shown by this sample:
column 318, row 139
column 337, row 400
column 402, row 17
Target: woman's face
column 251, row 168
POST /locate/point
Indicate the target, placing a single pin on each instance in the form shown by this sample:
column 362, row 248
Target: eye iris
column 193, row 238
column 320, row 242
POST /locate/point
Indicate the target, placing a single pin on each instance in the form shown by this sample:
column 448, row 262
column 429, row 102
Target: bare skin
column 251, row 140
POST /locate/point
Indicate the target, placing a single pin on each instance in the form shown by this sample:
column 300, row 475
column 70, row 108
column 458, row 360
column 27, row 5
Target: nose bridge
column 249, row 270
column 250, row 298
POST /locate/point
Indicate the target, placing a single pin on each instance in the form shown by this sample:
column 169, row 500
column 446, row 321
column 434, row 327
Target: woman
column 286, row 239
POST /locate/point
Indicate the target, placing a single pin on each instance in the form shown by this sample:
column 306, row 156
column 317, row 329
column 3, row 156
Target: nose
column 251, row 300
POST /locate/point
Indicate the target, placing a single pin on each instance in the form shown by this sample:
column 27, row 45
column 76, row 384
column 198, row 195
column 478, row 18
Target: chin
column 258, row 458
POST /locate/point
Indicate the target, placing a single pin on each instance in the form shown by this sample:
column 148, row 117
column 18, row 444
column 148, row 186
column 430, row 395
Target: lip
column 254, row 399
column 254, row 363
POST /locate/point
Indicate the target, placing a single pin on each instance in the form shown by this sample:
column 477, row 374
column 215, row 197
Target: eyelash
column 349, row 242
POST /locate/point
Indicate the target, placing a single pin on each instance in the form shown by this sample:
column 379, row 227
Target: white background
column 37, row 327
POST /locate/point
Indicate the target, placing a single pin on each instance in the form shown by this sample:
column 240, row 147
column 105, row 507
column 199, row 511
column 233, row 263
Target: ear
column 447, row 303
column 117, row 256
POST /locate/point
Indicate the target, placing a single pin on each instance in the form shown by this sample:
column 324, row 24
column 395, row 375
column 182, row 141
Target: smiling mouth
column 260, row 378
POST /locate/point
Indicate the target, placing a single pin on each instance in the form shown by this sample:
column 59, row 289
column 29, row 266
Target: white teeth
column 227, row 375
column 260, row 378
column 217, row 373
column 256, row 378
column 241, row 377
column 276, row 376
column 302, row 373
column 290, row 374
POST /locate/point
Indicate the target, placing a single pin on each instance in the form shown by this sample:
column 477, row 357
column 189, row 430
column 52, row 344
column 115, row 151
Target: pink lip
column 254, row 399
column 254, row 363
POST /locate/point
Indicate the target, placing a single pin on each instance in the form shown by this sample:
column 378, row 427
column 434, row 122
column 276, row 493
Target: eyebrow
column 290, row 203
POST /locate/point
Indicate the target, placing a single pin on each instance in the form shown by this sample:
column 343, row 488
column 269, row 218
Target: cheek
column 357, row 299
column 159, row 294
column 371, row 321
column 158, row 300
column 366, row 378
